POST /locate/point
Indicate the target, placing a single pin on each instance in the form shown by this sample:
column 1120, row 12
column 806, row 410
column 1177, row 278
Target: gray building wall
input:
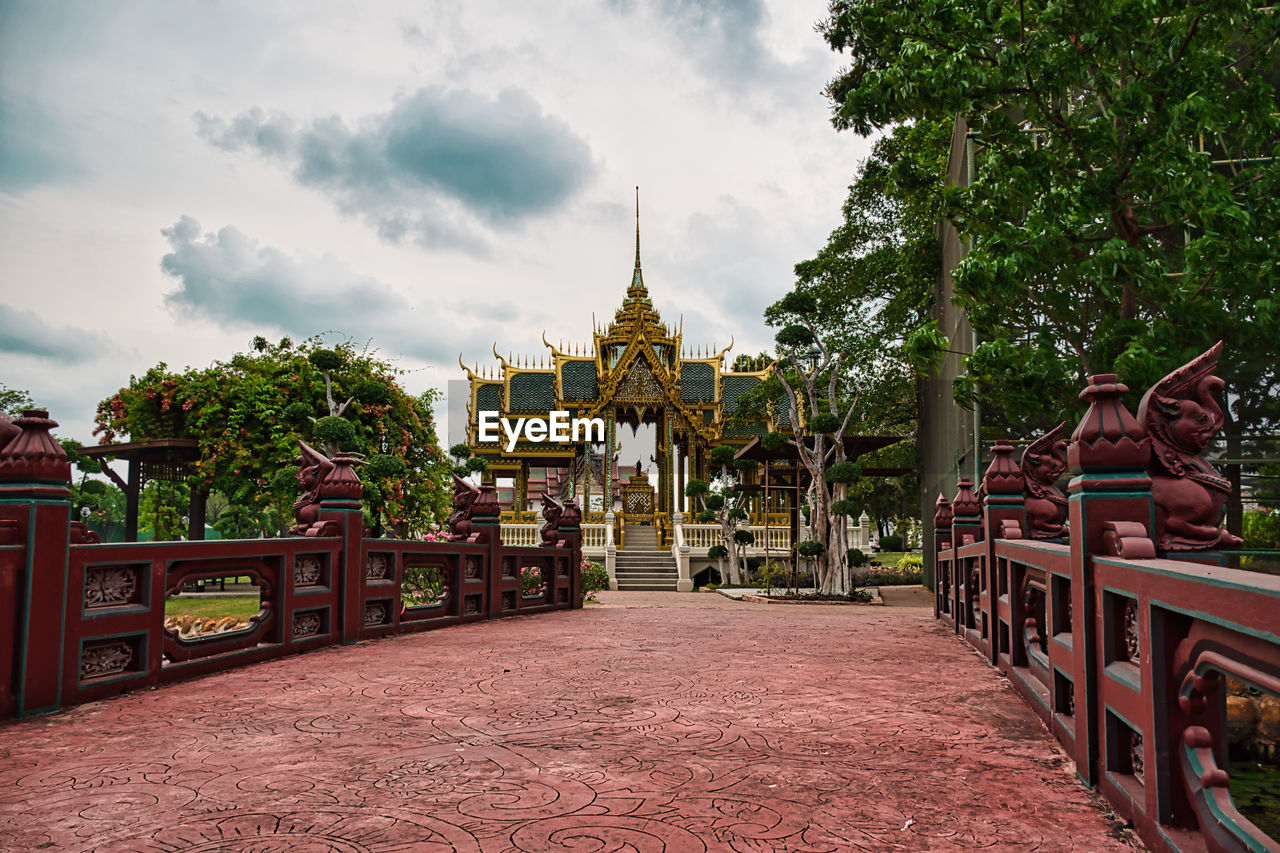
column 948, row 433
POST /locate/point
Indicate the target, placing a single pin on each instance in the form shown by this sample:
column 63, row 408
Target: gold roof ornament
column 635, row 367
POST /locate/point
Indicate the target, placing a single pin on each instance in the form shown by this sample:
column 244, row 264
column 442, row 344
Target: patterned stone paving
column 656, row 722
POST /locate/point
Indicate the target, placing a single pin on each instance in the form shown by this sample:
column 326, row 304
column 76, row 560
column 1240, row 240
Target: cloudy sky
column 434, row 177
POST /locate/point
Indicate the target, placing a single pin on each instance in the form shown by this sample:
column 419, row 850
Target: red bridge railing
column 79, row 622
column 1143, row 661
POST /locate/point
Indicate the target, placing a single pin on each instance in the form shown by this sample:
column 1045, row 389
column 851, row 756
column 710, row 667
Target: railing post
column 966, row 528
column 569, row 535
column 1108, row 456
column 35, row 525
column 679, row 550
column 340, row 494
column 610, row 551
column 1004, row 517
column 942, row 518
column 487, row 528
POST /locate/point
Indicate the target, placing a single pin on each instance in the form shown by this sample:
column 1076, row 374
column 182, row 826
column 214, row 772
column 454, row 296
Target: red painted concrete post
column 942, row 542
column 966, row 528
column 1004, row 517
column 966, row 520
column 1108, row 456
column 488, row 530
column 340, row 493
column 570, row 534
column 1003, row 482
column 35, row 510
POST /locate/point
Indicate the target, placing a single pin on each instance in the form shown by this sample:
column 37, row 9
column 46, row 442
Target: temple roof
column 636, row 366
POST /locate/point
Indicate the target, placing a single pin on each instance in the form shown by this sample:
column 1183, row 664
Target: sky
column 426, row 178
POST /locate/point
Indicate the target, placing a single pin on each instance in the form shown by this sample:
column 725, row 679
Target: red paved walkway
column 657, row 722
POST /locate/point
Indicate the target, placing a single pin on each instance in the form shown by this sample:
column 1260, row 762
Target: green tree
column 14, row 400
column 724, row 505
column 873, row 282
column 820, row 409
column 1121, row 209
column 249, row 412
column 237, row 521
column 162, row 504
column 106, row 505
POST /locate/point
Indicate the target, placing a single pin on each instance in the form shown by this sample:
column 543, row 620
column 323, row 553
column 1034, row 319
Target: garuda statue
column 1043, row 462
column 1181, row 416
column 313, row 467
column 464, row 498
column 552, row 509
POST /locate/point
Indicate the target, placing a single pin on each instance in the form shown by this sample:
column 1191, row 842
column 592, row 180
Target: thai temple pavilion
column 635, row 371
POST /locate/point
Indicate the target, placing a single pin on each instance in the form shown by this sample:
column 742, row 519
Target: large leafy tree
column 820, row 407
column 249, row 412
column 1121, row 206
column 872, row 283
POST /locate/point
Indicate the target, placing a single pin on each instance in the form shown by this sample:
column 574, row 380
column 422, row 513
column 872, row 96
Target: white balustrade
column 700, row 537
column 593, row 539
column 522, row 535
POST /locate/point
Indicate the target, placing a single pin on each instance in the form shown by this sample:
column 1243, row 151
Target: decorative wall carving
column 375, row 613
column 471, row 567
column 306, row 624
column 639, row 384
column 307, row 570
column 106, row 659
column 109, row 586
column 1137, row 758
column 1132, row 640
column 376, row 567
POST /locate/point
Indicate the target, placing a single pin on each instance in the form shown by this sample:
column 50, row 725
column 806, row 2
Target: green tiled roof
column 489, row 397
column 697, row 382
column 578, row 379
column 733, row 387
column 750, row 429
column 782, row 411
column 532, row 392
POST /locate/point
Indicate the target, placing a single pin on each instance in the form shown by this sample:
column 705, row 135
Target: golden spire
column 637, row 289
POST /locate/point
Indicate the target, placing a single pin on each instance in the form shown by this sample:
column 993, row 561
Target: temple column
column 608, row 462
column 521, row 502
column 668, row 479
column 682, row 460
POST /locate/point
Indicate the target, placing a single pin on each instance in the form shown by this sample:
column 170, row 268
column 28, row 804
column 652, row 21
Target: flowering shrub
column 908, row 572
column 435, row 536
column 531, row 583
column 422, row 586
column 595, row 578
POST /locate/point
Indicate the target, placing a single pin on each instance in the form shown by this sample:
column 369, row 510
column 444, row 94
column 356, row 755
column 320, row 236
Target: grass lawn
column 239, row 606
column 888, row 558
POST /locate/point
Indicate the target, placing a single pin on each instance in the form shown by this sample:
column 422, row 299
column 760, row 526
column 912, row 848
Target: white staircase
column 641, row 565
